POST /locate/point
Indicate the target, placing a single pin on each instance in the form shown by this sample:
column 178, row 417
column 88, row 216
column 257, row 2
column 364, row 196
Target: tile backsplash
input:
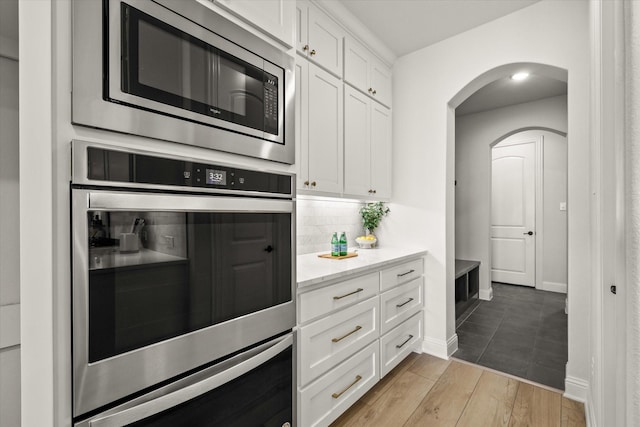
column 318, row 219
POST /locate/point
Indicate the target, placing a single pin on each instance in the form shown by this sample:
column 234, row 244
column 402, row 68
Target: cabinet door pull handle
column 305, row 47
column 306, row 183
column 337, row 395
column 313, row 183
column 405, row 341
column 349, row 294
column 313, row 52
column 346, row 335
column 404, row 303
column 374, row 92
column 404, row 274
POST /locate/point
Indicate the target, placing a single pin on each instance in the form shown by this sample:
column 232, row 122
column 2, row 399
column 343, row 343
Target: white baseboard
column 486, row 294
column 440, row 348
column 554, row 287
column 590, row 415
column 576, row 389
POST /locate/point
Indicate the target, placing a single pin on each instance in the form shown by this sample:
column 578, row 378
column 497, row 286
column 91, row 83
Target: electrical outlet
column 168, row 241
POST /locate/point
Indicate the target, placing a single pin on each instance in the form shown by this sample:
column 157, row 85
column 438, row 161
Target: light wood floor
column 426, row 391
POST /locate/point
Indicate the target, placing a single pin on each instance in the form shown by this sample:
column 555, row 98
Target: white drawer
column 401, row 274
column 325, row 343
column 327, row 398
column 397, row 344
column 325, row 300
column 398, row 304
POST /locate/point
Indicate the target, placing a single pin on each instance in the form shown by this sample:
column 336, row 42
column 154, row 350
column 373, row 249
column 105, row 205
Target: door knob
column 268, row 249
column 530, row 233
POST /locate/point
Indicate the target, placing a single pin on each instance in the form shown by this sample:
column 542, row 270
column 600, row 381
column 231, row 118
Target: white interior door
column 513, row 188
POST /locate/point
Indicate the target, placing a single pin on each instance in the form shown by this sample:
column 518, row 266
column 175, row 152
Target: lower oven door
column 167, row 283
column 254, row 388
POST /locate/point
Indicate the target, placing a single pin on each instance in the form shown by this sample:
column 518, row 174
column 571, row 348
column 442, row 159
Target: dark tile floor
column 521, row 331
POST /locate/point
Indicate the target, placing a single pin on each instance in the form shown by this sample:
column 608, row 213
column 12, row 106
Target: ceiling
column 408, row 25
column 504, row 92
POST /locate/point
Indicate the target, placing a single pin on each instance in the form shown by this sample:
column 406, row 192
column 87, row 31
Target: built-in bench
column 467, row 284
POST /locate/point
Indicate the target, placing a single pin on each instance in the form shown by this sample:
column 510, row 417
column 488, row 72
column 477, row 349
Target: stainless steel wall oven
column 176, row 70
column 182, row 291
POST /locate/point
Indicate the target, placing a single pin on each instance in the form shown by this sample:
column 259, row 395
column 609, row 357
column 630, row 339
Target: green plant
column 372, row 214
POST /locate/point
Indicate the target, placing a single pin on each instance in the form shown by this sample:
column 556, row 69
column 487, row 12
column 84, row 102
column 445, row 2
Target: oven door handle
column 191, row 391
column 174, row 202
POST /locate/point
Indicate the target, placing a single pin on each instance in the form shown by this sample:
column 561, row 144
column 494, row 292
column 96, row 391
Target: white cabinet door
column 302, row 123
column 380, row 151
column 357, row 64
column 318, row 37
column 367, row 146
column 380, row 82
column 364, row 71
column 357, row 149
column 275, row 17
column 325, row 131
column 319, row 129
column 302, row 27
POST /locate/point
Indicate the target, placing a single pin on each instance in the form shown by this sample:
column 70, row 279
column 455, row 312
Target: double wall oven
column 182, row 291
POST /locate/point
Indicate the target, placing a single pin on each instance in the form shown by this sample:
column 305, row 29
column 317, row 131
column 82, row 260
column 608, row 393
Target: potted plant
column 371, row 214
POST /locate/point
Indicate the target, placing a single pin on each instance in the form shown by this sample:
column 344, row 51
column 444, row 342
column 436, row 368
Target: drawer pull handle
column 337, row 395
column 349, row 294
column 405, row 341
column 346, row 335
column 404, row 303
column 404, row 274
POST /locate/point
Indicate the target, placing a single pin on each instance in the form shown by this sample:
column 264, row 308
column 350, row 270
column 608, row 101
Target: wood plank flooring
column 426, row 391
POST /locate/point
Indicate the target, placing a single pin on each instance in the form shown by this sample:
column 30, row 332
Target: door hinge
column 613, row 289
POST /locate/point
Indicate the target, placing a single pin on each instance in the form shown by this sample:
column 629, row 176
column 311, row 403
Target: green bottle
column 335, row 245
column 343, row 244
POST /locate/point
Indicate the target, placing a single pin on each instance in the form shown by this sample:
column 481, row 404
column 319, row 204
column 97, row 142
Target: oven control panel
column 125, row 167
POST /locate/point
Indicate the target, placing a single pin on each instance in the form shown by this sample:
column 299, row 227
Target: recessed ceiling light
column 520, row 76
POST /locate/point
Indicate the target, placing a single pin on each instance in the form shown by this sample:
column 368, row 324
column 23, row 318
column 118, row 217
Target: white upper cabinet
column 319, row 129
column 274, row 17
column 367, row 146
column 318, row 37
column 364, row 71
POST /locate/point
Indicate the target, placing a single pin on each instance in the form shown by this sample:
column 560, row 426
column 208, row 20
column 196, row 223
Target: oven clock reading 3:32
column 216, row 177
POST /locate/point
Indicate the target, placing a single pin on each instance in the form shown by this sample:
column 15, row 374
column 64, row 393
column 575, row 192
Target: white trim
column 590, row 416
column 440, row 348
column 486, row 294
column 576, row 389
column 9, row 325
column 554, row 287
column 539, row 212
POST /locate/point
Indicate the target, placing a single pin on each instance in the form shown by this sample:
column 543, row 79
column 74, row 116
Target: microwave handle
column 189, row 392
column 167, row 202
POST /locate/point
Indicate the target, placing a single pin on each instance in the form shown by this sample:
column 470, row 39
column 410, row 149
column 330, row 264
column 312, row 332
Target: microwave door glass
column 166, row 65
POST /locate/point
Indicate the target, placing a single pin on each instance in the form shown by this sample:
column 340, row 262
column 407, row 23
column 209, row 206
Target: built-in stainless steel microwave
column 178, row 71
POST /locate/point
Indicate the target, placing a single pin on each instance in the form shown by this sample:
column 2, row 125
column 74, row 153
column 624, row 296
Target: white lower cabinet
column 351, row 333
column 398, row 343
column 328, row 341
column 324, row 400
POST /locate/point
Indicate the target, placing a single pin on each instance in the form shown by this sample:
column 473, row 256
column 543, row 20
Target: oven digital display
column 216, row 177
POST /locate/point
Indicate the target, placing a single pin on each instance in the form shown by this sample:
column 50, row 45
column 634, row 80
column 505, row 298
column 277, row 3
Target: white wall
column 552, row 32
column 9, row 218
column 474, row 135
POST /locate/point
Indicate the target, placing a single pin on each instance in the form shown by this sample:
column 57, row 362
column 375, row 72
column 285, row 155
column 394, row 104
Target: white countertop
column 312, row 270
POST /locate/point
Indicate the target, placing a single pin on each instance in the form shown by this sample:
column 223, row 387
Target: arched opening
column 493, row 112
